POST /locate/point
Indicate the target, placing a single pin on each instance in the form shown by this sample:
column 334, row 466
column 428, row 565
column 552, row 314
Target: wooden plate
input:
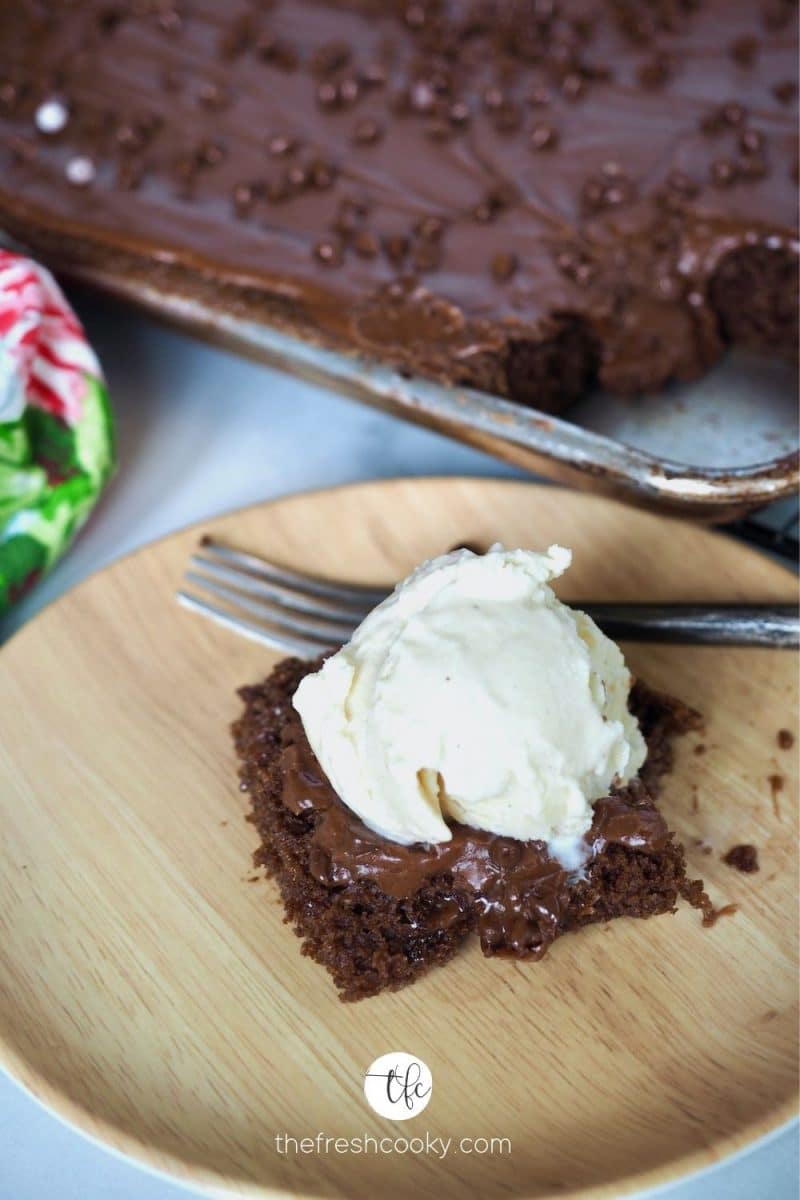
column 150, row 994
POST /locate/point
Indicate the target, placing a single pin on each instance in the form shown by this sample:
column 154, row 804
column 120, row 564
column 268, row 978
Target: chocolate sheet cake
column 377, row 914
column 523, row 195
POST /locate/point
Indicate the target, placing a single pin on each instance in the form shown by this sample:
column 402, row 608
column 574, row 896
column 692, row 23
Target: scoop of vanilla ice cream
column 473, row 693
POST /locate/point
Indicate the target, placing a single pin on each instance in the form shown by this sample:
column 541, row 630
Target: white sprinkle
column 51, row 116
column 80, row 171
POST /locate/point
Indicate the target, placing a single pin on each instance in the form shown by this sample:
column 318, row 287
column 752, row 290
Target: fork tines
column 280, row 608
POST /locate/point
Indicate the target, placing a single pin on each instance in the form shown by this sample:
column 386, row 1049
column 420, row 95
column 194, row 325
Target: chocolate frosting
column 431, row 181
column 522, row 892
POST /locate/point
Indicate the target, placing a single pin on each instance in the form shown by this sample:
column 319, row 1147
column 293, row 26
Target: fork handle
column 700, row 624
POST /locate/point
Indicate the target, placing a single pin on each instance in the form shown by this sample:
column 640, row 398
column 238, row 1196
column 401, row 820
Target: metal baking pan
column 713, row 450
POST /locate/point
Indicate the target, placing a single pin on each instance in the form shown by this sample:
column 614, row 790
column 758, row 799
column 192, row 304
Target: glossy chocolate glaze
column 522, row 892
column 434, row 182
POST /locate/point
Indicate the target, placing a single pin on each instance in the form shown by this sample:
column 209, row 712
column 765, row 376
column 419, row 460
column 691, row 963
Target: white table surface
column 201, row 432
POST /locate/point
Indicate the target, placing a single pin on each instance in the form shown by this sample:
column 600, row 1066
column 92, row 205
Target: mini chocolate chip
column 752, row 167
column 234, row 40
column 266, row 46
column 210, row 154
column 129, row 138
column 679, row 181
column 617, row 194
column 493, row 98
column 395, row 247
column 297, row 177
column 349, row 92
column 507, row 118
column 277, row 191
column 572, row 87
column 286, row 57
column 329, row 252
column 149, row 123
column 322, row 176
column 503, row 195
column 169, row 21
column 365, row 244
column 668, row 287
column 723, row 172
column 712, row 122
column 785, row 91
column 330, row 57
column 751, row 141
column 350, row 216
column 328, row 95
column 367, row 132
column 655, row 73
column 539, row 97
column 214, row 96
column 734, row 114
column 185, row 167
column 543, row 137
column 459, row 113
column 504, row 267
column 610, row 190
column 743, row 50
column 9, row 94
column 430, row 229
column 243, row 197
column 281, row 144
column 373, row 75
column 426, row 256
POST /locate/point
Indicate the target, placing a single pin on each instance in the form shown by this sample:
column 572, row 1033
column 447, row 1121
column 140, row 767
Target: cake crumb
column 743, row 857
column 711, row 917
column 785, row 739
column 700, row 748
column 692, row 891
column 776, row 787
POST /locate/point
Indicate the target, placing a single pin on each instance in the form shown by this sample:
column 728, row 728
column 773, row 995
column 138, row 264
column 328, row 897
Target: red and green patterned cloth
column 56, row 437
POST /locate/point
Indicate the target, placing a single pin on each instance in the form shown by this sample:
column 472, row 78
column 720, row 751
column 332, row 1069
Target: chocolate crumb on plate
column 743, row 857
column 776, row 783
column 785, row 739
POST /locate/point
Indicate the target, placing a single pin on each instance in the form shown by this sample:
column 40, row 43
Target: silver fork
column 302, row 615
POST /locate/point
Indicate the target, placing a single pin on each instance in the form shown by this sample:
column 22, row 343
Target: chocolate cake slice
column 378, row 914
column 522, row 195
